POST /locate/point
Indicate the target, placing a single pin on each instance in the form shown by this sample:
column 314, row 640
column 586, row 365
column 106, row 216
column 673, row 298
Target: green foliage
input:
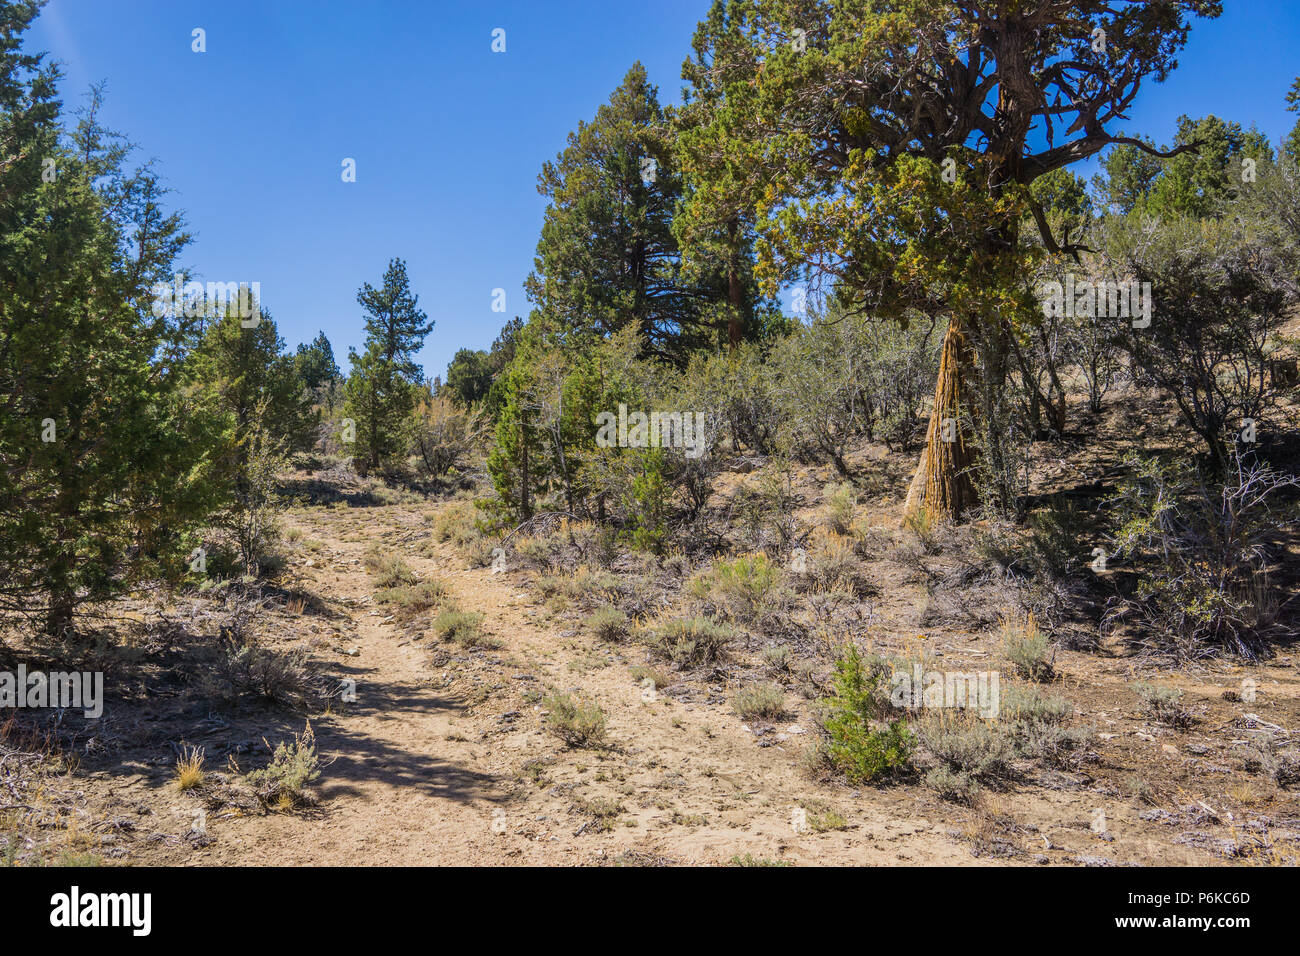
column 380, row 393
column 743, row 585
column 645, row 500
column 1128, row 174
column 469, row 376
column 576, row 722
column 294, row 766
column 1195, row 182
column 842, row 376
column 861, row 745
column 549, row 399
column 379, row 401
column 246, row 378
column 394, row 321
column 105, row 462
column 607, row 257
column 1292, row 145
column 841, row 507
column 824, row 124
column 317, row 370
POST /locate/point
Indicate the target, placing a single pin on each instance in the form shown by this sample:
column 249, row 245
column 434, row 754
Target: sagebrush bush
column 578, row 723
column 833, row 564
column 921, row 523
column 840, row 502
column 457, row 524
column 388, row 569
column 1028, row 704
column 294, row 766
column 694, row 641
column 777, row 657
column 1269, row 754
column 416, row 598
column 1027, row 648
column 245, row 670
column 1038, row 725
column 463, row 627
column 643, row 673
column 742, row 585
column 957, row 786
column 967, row 745
column 608, row 624
column 1164, row 705
column 759, row 701
column 1202, row 551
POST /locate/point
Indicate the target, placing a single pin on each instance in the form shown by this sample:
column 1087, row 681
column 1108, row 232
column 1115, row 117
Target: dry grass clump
column 189, row 768
column 388, row 569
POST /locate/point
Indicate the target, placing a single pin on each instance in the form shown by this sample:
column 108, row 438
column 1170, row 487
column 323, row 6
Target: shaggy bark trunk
column 942, row 484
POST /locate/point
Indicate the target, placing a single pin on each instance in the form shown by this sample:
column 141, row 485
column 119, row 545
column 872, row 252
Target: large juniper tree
column 833, row 125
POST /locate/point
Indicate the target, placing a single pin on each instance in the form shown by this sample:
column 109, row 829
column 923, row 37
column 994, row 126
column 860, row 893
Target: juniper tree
column 378, row 400
column 887, row 147
column 102, row 455
column 317, row 369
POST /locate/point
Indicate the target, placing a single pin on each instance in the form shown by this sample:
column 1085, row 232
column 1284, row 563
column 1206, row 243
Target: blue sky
column 448, row 137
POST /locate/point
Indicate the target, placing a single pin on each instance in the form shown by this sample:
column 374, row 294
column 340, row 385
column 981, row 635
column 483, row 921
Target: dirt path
column 444, row 757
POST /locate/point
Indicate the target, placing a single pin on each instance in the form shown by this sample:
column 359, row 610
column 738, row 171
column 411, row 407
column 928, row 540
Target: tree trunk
column 525, row 506
column 735, row 295
column 942, row 485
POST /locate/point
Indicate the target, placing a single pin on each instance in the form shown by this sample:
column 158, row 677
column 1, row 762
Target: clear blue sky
column 448, row 136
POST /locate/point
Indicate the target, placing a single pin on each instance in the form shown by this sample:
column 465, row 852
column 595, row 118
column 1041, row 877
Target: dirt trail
column 444, row 757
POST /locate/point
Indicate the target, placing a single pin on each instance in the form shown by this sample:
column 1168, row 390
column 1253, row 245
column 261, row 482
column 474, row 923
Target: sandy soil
column 444, row 757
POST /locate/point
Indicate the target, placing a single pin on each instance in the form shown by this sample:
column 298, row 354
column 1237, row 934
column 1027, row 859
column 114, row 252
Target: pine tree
column 469, row 376
column 394, row 320
column 607, row 258
column 1292, row 144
